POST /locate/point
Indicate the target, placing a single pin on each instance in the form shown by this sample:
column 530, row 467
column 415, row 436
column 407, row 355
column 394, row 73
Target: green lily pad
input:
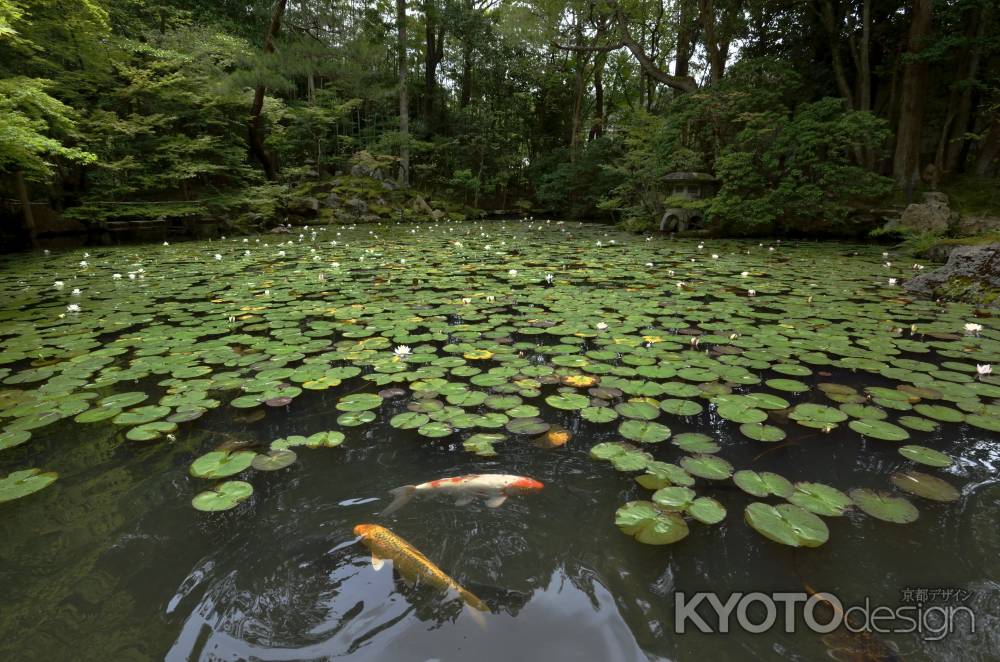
column 18, row 484
column 763, row 484
column 820, row 499
column 787, row 524
column 650, row 524
column 884, row 506
column 707, row 510
column 646, row 432
column 707, row 466
column 274, row 460
column 223, row 497
column 761, row 432
column 220, row 464
column 695, row 442
column 925, row 485
column 879, row 430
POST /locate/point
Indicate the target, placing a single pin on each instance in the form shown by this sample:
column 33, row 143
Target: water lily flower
column 116, row 276
column 887, row 265
column 281, row 253
column 751, row 293
column 599, row 243
column 681, row 284
column 83, row 263
column 246, row 253
column 734, row 336
column 131, row 276
column 670, row 272
column 86, row 255
column 744, row 273
column 335, row 264
column 73, row 308
column 601, row 326
column 701, row 246
column 512, row 272
column 549, row 278
column 218, row 257
column 972, row 327
column 695, row 341
column 232, row 319
column 402, row 351
column 166, row 243
column 770, row 249
column 76, row 292
column 491, row 298
column 47, row 252
column 885, row 254
column 649, row 264
column 245, row 240
column 58, row 284
column 715, row 256
column 892, row 281
column 466, row 300
column 984, row 370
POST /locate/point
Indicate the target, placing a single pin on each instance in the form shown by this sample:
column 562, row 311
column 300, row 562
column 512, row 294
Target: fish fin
column 474, row 606
column 496, row 501
column 401, row 497
column 377, row 563
column 464, row 500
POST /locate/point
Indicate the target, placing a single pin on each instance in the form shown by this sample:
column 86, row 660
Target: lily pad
column 884, row 506
column 220, row 464
column 787, row 524
column 18, row 484
column 925, row 485
column 650, row 524
column 223, row 497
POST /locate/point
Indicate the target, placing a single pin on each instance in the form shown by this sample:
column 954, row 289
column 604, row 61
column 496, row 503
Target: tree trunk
column 434, row 46
column 597, row 128
column 716, row 47
column 466, row 82
column 906, row 160
column 255, row 127
column 681, row 84
column 685, row 39
column 29, row 217
column 404, row 97
column 864, row 60
column 968, row 73
column 989, row 150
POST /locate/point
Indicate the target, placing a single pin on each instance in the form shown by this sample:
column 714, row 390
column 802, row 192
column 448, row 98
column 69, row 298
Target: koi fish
column 410, row 563
column 494, row 487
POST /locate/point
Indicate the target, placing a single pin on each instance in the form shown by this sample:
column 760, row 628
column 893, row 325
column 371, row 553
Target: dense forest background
column 807, row 111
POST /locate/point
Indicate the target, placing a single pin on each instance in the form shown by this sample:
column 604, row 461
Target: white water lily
column 681, row 284
column 47, row 252
column 246, row 253
column 670, row 272
column 751, row 293
column 232, row 319
column 887, row 265
column 984, row 370
column 744, row 273
column 649, row 264
column 715, row 256
column 734, row 336
column 281, row 253
column 885, row 255
column 972, row 327
column 166, row 243
column 892, row 281
column 76, row 292
column 131, row 276
column 402, row 351
column 83, row 263
column 491, row 298
column 549, row 278
column 512, row 272
column 58, row 284
column 116, row 276
column 73, row 308
column 466, row 300
column 218, row 257
column 335, row 264
column 601, row 326
column 701, row 246
column 599, row 243
column 86, row 255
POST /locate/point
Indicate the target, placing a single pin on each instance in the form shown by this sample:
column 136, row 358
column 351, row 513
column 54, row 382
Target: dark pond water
column 112, row 563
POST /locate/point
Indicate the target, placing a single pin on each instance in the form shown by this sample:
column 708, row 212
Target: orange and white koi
column 411, row 565
column 495, row 488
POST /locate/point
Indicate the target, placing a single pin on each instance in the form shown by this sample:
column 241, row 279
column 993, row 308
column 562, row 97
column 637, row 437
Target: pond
column 192, row 432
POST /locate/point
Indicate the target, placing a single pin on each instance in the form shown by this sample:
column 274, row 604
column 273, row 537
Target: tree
column 255, row 129
column 404, row 97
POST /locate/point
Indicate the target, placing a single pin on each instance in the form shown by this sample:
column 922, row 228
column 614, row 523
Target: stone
column 971, row 274
column 304, row 206
column 932, row 216
column 974, row 224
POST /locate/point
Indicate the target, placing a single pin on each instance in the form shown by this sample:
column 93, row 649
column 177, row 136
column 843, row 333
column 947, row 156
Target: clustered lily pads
column 477, row 359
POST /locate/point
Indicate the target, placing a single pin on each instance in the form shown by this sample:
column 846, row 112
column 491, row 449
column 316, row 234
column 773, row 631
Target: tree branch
column 680, row 83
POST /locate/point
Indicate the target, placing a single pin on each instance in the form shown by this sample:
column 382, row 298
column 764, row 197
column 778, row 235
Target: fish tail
column 401, row 497
column 475, row 607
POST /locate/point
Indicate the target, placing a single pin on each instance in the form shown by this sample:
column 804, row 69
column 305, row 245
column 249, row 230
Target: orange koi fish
column 495, row 488
column 410, row 563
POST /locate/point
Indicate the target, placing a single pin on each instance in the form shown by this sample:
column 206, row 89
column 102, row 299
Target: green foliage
column 796, row 172
column 33, row 129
